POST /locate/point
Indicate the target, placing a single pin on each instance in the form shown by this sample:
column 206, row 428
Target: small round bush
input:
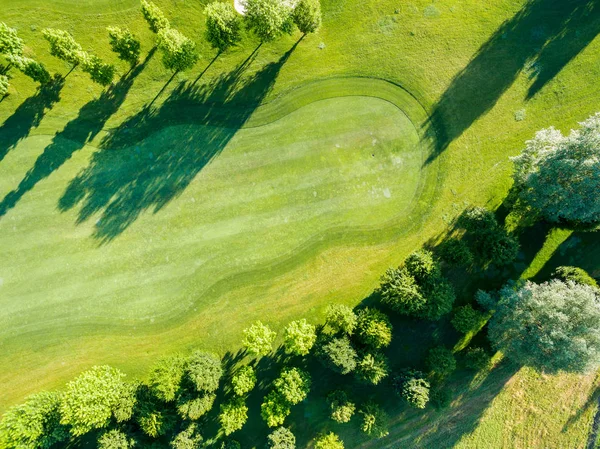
column 466, row 319
column 441, row 361
column 342, row 409
column 477, row 359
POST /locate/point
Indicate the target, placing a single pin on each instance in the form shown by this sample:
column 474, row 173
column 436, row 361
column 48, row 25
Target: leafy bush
column 339, row 355
column 374, row 420
column 456, row 252
column 372, row 368
column 466, row 319
column 115, row 439
column 222, row 25
column 553, row 326
column 281, row 438
column 329, row 441
column 204, row 371
column 341, row 318
column 233, row 416
column 373, row 328
column 300, row 336
column 293, row 384
column 259, row 338
column 441, row 361
column 575, row 274
column 274, row 409
column 477, row 359
column 342, row 409
column 244, row 380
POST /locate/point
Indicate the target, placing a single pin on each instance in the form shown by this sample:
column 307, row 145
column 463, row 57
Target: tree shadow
column 75, row 135
column 542, row 38
column 132, row 173
column 28, row 115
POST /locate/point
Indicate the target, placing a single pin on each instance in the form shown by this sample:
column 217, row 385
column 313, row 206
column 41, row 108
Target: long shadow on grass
column 541, row 38
column 139, row 167
column 76, row 134
column 28, row 115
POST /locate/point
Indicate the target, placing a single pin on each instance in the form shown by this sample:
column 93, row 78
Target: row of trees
column 267, row 19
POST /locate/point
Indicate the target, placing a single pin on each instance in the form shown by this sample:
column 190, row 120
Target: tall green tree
column 3, row 85
column 329, row 441
column 339, row 355
column 233, row 416
column 64, row 46
column 341, row 318
column 178, row 52
column 374, row 420
column 293, row 384
column 274, row 409
column 307, row 15
column 99, row 71
column 35, row 424
column 373, row 328
column 204, row 370
column 300, row 337
column 372, row 368
column 554, row 326
column 189, row 438
column 154, row 16
column 31, row 68
column 165, row 377
column 559, row 175
column 94, row 398
column 268, row 19
column 124, row 44
column 10, row 42
column 281, row 438
column 222, row 25
column 115, row 439
column 258, row 339
column 244, row 380
column 342, row 409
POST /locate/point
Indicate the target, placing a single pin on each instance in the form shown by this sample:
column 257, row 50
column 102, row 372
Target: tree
column 281, row 438
column 440, row 361
column 329, row 441
column 575, row 274
column 99, row 71
column 3, row 85
column 64, row 46
column 194, row 407
column 456, row 252
column 307, row 15
column 268, row 19
column 165, row 377
column 342, row 409
column 339, row 355
column 422, row 266
column 400, row 292
column 233, row 416
column 341, row 318
column 416, row 392
column 274, row 409
column 179, row 52
column 188, row 438
column 115, row 439
column 374, row 420
column 373, row 328
column 244, row 380
column 124, row 44
column 259, row 338
column 554, row 326
column 10, row 42
column 299, row 337
column 153, row 417
column 204, row 370
column 230, row 444
column 372, row 368
column 31, row 68
column 467, row 319
column 293, row 384
column 559, row 176
column 477, row 359
column 154, row 16
column 34, row 424
column 222, row 25
column 94, row 398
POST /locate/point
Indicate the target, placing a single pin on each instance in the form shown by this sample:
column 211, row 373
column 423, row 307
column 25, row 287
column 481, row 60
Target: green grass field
column 266, row 183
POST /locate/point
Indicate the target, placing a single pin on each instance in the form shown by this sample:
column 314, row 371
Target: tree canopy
column 99, row 71
column 373, row 328
column 341, row 318
column 244, row 380
column 204, row 370
column 329, row 441
column 154, row 16
column 559, row 175
column 552, row 326
column 233, row 416
column 300, row 337
column 178, row 52
column 10, row 42
column 293, row 384
column 339, row 355
column 124, row 44
column 268, row 19
column 94, row 398
column 307, row 15
column 222, row 25
column 259, row 338
column 281, row 438
column 64, row 46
